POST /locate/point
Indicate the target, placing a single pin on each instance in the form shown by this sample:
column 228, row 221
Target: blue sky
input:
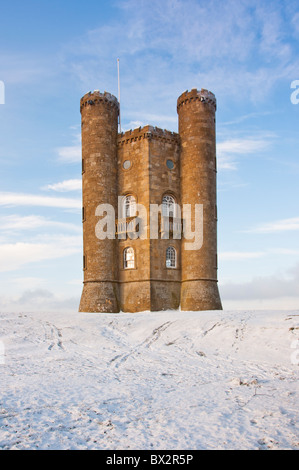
column 245, row 51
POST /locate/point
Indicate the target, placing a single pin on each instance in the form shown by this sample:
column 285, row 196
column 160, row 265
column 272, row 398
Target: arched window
column 170, row 257
column 168, row 206
column 129, row 258
column 129, row 208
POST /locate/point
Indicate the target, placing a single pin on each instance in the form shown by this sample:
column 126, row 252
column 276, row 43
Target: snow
column 151, row 380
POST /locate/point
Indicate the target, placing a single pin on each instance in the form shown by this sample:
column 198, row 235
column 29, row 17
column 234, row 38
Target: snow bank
column 163, row 380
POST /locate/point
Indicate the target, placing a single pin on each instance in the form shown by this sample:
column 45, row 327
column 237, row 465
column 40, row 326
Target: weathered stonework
column 99, row 153
column 196, row 112
column 109, row 286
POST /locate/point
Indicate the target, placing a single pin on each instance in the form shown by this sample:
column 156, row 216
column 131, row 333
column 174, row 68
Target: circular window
column 170, row 164
column 126, row 164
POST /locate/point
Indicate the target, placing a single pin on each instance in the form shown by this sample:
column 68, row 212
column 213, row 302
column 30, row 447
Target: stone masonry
column 149, row 166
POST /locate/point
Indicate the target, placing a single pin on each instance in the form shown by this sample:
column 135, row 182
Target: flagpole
column 118, row 93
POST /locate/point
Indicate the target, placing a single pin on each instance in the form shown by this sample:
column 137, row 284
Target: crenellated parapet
column 202, row 95
column 96, row 97
column 148, row 132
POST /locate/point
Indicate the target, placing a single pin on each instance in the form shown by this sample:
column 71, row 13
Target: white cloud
column 142, row 119
column 267, row 287
column 26, row 283
column 284, row 251
column 18, row 199
column 240, row 255
column 295, row 23
column 228, row 150
column 132, row 125
column 283, row 225
column 25, row 69
column 187, row 28
column 247, row 255
column 242, row 146
column 15, row 255
column 272, row 43
column 240, row 50
column 38, row 299
column 70, row 154
column 32, row 222
column 226, row 162
column 276, row 303
column 245, row 117
column 65, row 186
column 75, row 282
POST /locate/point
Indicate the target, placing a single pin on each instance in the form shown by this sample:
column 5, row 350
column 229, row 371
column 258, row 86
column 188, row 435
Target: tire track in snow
column 156, row 333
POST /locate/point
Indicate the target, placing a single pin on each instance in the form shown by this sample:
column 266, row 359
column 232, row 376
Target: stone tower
column 149, row 166
column 99, row 120
column 196, row 111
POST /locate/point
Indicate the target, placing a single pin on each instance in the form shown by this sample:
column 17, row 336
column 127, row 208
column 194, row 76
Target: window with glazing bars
column 129, row 258
column 170, row 257
column 129, row 206
column 168, row 205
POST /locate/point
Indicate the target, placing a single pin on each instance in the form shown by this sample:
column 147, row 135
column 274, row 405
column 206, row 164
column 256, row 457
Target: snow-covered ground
column 163, row 380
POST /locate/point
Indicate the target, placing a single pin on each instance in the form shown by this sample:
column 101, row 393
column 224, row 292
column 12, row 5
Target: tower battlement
column 147, row 132
column 92, row 98
column 193, row 95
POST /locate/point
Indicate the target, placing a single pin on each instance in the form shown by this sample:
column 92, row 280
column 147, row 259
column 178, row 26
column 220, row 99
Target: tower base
column 99, row 297
column 200, row 295
column 135, row 296
column 165, row 295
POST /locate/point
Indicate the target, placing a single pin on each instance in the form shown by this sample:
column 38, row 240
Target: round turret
column 99, row 114
column 196, row 111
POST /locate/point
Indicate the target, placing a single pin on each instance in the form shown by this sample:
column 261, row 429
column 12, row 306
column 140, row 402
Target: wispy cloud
column 242, row 146
column 283, row 225
column 295, row 24
column 18, row 199
column 69, row 154
column 26, row 282
column 65, row 186
column 229, row 150
column 240, row 255
column 242, row 49
column 15, row 255
column 247, row 255
column 142, row 119
column 245, row 117
column 17, row 223
column 24, row 69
